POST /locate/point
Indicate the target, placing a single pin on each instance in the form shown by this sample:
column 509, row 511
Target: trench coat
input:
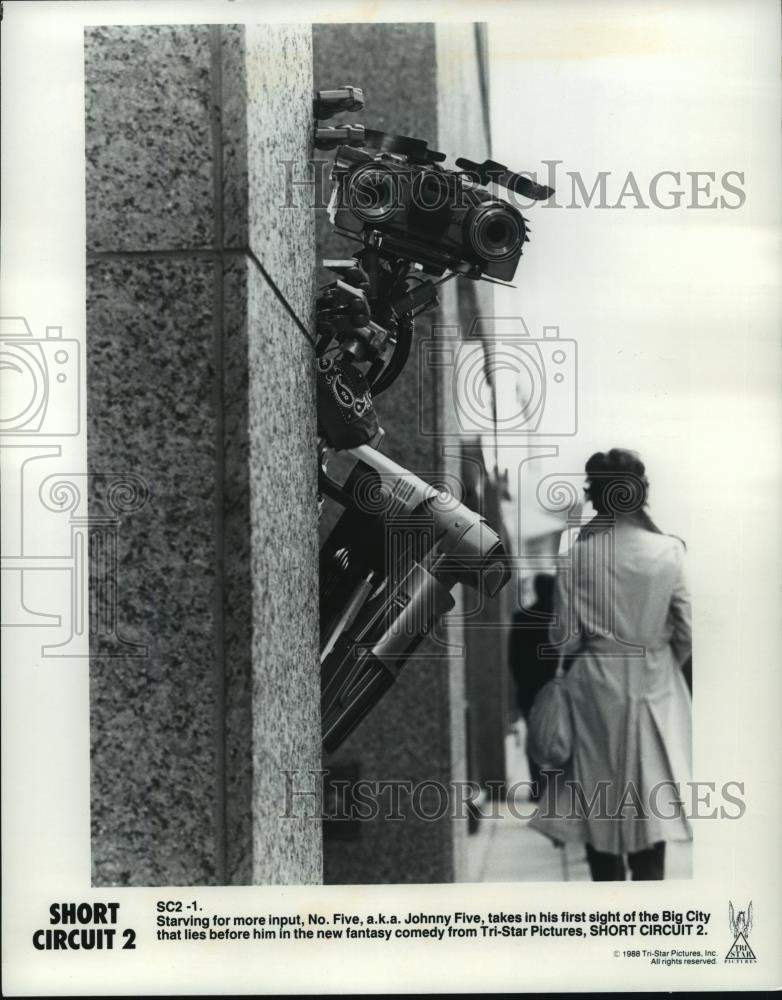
column 622, row 611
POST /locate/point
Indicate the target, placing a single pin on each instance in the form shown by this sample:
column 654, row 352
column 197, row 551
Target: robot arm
column 389, row 565
column 408, row 545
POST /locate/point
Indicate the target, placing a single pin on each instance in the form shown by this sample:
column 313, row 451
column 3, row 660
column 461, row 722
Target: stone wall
column 201, row 383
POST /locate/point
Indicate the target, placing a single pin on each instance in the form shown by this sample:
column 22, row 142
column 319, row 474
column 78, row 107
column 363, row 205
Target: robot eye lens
column 372, row 194
column 495, row 231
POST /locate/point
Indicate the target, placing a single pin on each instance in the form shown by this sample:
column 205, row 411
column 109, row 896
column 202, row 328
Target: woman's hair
column 618, row 485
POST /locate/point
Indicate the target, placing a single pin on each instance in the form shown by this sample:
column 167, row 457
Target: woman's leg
column 648, row 864
column 605, row 867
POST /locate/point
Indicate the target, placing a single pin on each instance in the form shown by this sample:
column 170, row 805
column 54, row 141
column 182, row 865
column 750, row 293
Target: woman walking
column 622, row 612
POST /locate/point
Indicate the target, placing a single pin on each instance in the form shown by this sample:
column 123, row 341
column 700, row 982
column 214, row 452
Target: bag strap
column 560, row 671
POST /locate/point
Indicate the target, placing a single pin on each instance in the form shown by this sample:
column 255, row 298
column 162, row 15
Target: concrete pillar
column 200, row 382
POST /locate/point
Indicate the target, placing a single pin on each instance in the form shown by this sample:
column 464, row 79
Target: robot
column 400, row 547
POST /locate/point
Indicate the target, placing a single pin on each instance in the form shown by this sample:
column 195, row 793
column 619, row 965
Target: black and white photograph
column 390, row 454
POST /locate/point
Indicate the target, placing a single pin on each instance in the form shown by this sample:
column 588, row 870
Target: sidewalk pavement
column 504, row 849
